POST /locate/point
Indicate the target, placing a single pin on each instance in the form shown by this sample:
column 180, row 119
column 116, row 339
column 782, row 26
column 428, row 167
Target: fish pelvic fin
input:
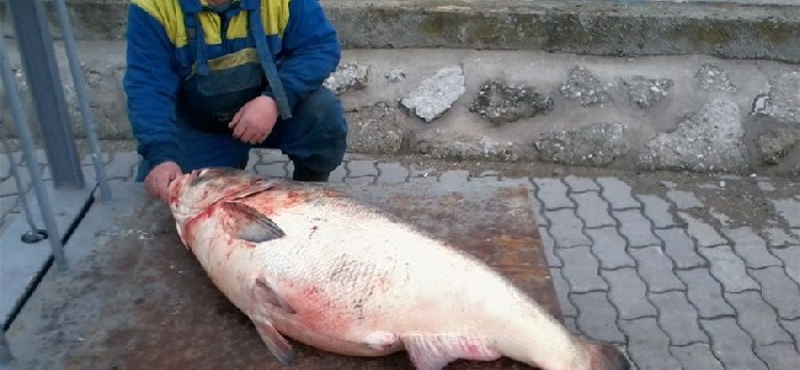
column 247, row 223
column 275, row 342
column 434, row 352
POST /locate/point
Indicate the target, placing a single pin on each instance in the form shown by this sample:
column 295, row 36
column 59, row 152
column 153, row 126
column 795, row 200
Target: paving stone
column 339, row 173
column 791, row 260
column 553, row 193
column 705, row 293
column 571, row 324
column 781, row 356
column 581, row 270
column 789, row 209
column 618, row 193
column 609, row 247
column 593, row 210
column 779, row 291
column 648, row 345
column 9, row 185
column 757, row 318
column 657, row 210
column 549, row 246
column 361, row 168
column 454, row 176
column 581, row 184
column 731, row 344
column 562, row 291
column 565, row 227
column 766, row 186
column 779, row 238
column 275, row 169
column 636, row 228
column 678, row 318
column 696, row 356
column 751, row 247
column 628, row 293
column 597, row 318
column 656, row 270
column 392, row 173
column 793, row 327
column 684, row 199
column 679, row 247
column 729, row 269
column 704, row 233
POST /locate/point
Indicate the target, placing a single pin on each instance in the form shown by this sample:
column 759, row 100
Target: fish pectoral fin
column 381, row 340
column 249, row 224
column 276, row 343
column 434, row 352
column 266, row 296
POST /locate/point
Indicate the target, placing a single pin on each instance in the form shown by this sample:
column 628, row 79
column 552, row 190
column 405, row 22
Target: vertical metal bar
column 30, row 158
column 41, row 71
column 80, row 89
column 12, row 165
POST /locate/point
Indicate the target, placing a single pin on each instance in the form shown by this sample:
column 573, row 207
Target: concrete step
column 764, row 29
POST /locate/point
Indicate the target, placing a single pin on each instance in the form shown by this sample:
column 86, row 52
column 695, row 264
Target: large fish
column 306, row 262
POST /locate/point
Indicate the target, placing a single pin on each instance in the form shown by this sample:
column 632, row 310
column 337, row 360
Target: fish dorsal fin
column 249, row 224
column 263, row 185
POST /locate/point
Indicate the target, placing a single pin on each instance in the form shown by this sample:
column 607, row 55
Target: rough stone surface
column 643, row 92
column 678, row 318
column 597, row 144
column 347, row 77
column 710, row 140
column 774, row 144
column 714, row 78
column 783, row 103
column 375, row 129
column 501, row 102
column 437, row 94
column 583, row 86
column 462, row 146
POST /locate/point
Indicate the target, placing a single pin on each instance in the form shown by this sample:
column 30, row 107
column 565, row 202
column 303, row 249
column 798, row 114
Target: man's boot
column 305, row 174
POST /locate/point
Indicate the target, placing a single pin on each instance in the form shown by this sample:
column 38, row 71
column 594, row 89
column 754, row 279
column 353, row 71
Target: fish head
column 192, row 193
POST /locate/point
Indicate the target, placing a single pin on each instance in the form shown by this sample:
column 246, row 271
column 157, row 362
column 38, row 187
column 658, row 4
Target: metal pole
column 38, row 58
column 34, row 234
column 80, row 90
column 30, row 159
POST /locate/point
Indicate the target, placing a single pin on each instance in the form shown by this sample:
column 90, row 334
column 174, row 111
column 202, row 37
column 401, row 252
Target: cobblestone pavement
column 682, row 272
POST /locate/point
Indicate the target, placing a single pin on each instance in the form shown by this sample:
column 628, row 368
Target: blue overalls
column 313, row 135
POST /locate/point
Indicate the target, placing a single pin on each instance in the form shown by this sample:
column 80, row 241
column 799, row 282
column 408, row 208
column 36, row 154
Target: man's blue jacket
column 302, row 40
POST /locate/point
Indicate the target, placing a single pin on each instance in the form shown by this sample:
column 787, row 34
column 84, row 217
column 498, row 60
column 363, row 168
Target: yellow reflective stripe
column 237, row 28
column 169, row 14
column 239, row 58
column 275, row 16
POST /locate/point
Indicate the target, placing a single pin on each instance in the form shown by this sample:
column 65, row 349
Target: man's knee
column 324, row 111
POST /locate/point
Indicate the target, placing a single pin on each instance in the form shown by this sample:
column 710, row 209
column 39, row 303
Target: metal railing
column 39, row 63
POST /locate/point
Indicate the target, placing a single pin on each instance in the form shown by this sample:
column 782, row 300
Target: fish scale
column 306, row 262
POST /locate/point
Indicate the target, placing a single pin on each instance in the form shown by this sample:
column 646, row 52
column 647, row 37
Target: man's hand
column 254, row 122
column 157, row 181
